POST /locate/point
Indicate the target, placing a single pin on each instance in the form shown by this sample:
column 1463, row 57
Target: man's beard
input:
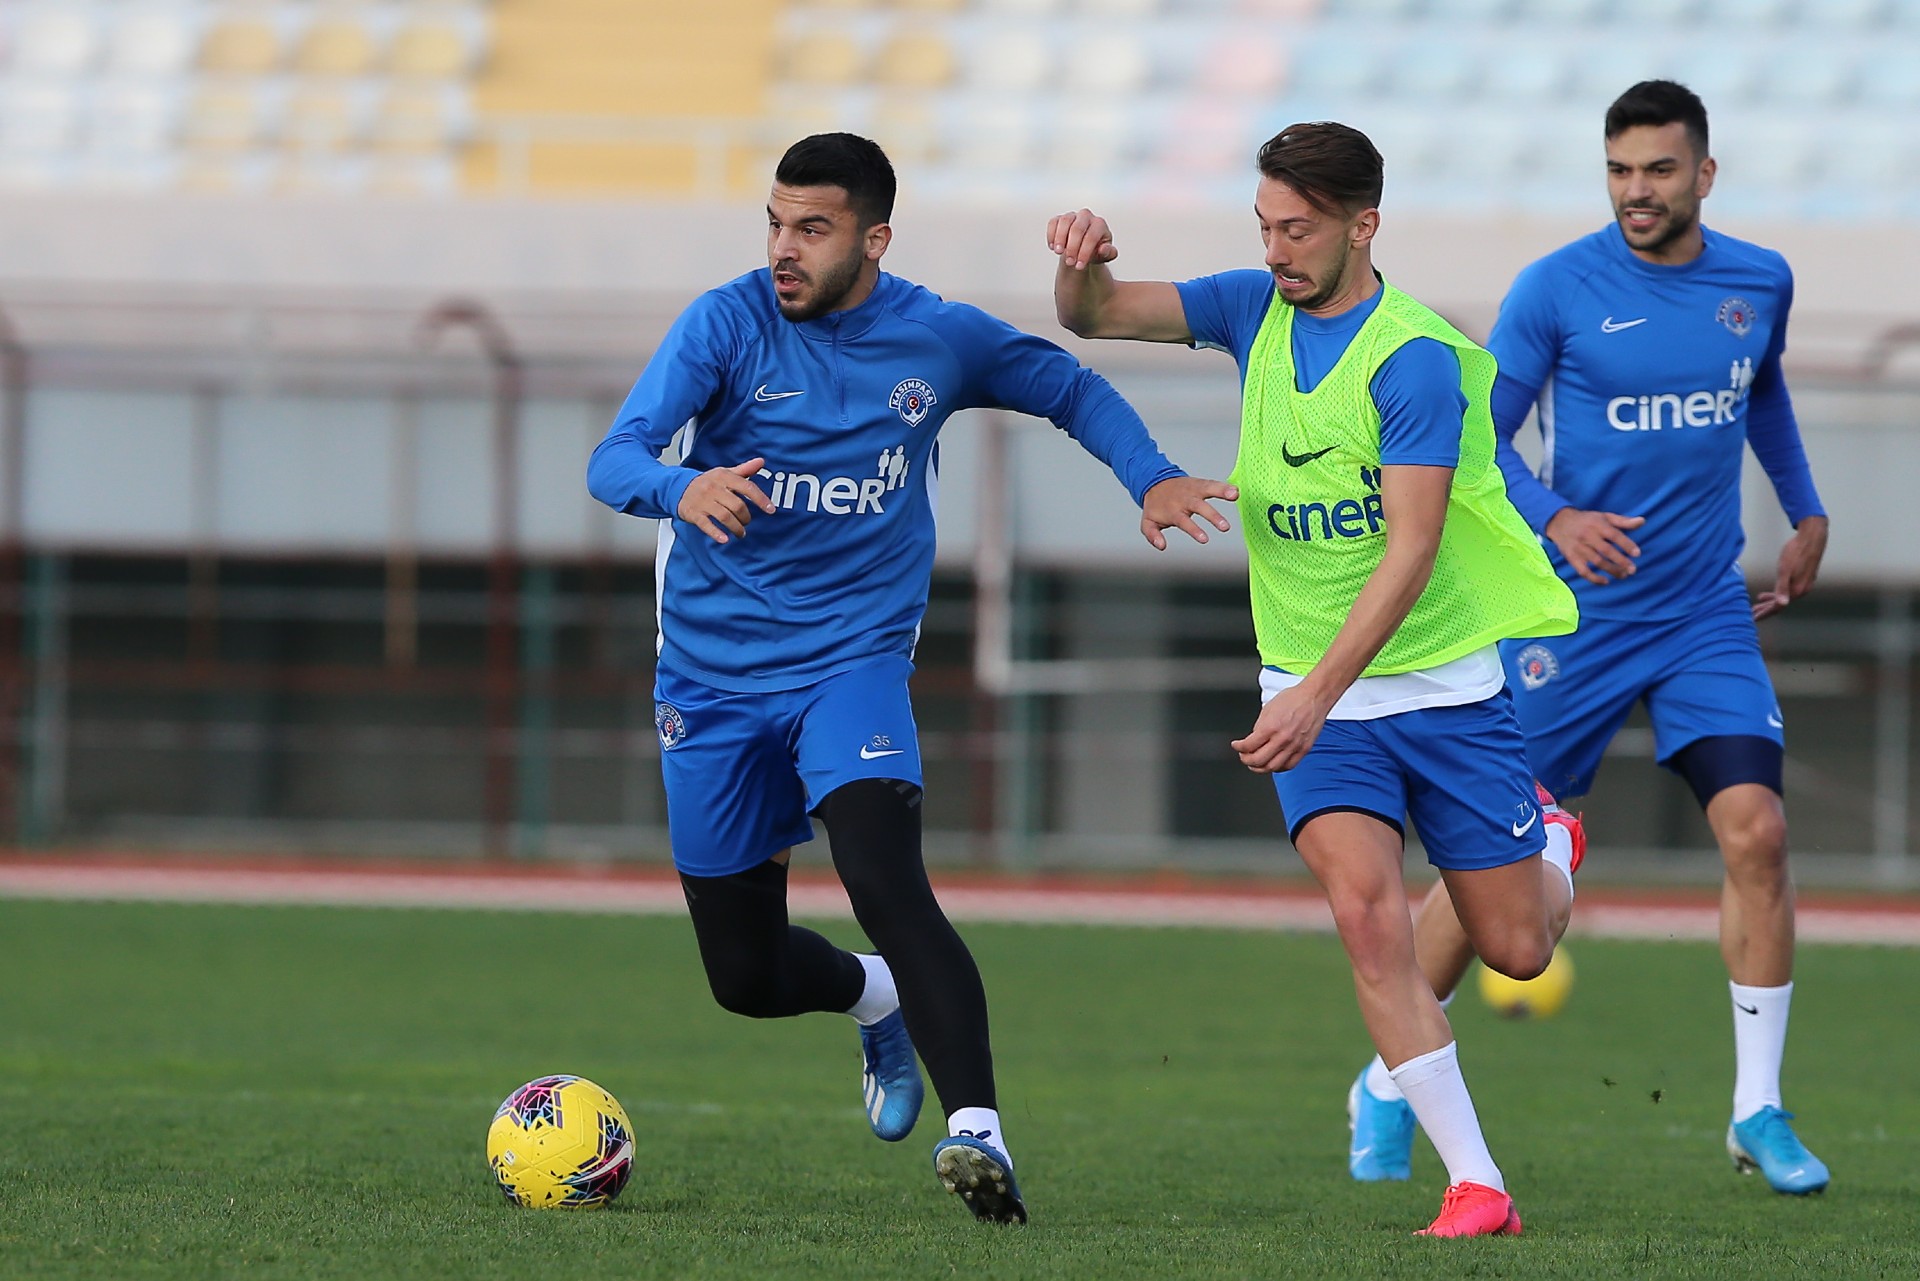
column 830, row 289
column 1676, row 226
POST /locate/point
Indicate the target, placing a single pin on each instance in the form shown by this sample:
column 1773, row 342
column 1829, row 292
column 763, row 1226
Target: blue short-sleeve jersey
column 1416, row 389
column 846, row 410
column 1650, row 381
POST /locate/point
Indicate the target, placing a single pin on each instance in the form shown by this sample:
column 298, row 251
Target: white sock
column 1759, row 1043
column 879, row 998
column 1379, row 1081
column 1438, row 1095
column 1559, row 851
column 981, row 1123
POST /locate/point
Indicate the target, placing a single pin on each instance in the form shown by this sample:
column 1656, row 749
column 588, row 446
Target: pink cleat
column 1474, row 1210
column 1576, row 829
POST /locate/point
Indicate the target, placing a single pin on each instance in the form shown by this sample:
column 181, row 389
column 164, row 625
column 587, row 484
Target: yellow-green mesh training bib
column 1309, row 478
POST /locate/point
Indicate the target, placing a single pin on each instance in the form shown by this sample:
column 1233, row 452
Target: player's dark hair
column 1334, row 167
column 854, row 164
column 1656, row 103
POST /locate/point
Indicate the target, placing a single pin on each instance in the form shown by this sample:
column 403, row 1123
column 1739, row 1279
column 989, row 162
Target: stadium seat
column 1021, row 8
column 907, row 126
column 1372, row 10
column 1101, row 9
column 1116, row 63
column 1563, row 12
column 1527, row 71
column 1846, row 15
column 915, row 59
column 1635, row 14
column 1438, row 71
column 1011, row 59
column 1606, row 69
column 336, row 47
column 1723, row 75
column 151, row 44
column 134, row 119
column 993, row 135
column 1890, row 82
column 931, row 6
column 223, row 117
column 1748, row 15
column 323, row 118
column 1810, row 75
column 1338, row 70
column 1474, row 12
column 56, row 43
column 1093, row 135
column 419, row 119
column 243, row 46
column 825, row 58
column 431, row 51
column 38, row 117
column 1245, row 60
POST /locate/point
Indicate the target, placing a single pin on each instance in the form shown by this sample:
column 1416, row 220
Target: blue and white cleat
column 980, row 1175
column 1382, row 1143
column 890, row 1079
column 1765, row 1142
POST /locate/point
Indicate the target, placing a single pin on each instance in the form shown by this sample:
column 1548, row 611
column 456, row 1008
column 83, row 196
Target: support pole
column 502, row 675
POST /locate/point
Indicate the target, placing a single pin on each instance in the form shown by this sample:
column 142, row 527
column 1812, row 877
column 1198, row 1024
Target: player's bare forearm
column 1091, row 303
column 1079, row 296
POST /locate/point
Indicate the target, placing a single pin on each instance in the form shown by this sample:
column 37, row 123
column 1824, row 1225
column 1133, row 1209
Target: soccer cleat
column 1765, row 1142
column 890, row 1078
column 980, row 1175
column 1574, row 823
column 1382, row 1143
column 1474, row 1210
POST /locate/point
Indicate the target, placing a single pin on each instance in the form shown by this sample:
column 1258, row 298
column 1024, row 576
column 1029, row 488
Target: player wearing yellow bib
column 1387, row 563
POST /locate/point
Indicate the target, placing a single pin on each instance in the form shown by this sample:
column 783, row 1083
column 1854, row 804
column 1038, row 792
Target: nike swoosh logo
column 1750, row 1009
column 1521, row 829
column 1292, row 459
column 868, row 754
column 1612, row 326
column 763, row 395
column 1775, row 721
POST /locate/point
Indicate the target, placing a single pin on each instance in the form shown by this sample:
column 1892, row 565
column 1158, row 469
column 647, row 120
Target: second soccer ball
column 1535, row 998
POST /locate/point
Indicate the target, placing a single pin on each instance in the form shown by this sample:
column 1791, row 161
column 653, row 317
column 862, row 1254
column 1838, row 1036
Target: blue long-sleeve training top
column 1650, row 381
column 846, row 409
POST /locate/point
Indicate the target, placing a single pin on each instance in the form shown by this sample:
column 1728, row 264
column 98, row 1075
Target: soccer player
column 1386, row 564
column 1660, row 342
column 796, row 548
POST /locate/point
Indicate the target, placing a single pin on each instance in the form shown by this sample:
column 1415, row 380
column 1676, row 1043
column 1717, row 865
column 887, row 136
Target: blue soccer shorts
column 1459, row 773
column 1701, row 676
column 743, row 771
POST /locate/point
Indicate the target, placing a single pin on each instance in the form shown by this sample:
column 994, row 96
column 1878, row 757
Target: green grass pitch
column 202, row 1092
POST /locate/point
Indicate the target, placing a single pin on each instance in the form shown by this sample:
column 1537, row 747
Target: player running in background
column 796, row 549
column 1653, row 350
column 1386, row 564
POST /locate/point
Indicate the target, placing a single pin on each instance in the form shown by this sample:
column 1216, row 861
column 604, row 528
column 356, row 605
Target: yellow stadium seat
column 241, row 47
column 415, row 120
column 336, row 47
column 430, row 51
column 221, row 118
column 321, row 119
column 825, row 58
column 915, row 60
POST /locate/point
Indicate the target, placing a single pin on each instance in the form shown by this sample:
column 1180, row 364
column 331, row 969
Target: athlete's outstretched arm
column 1414, row 501
column 1091, row 303
column 625, row 472
column 1007, row 368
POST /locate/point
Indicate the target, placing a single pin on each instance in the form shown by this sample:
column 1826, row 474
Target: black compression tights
column 760, row 965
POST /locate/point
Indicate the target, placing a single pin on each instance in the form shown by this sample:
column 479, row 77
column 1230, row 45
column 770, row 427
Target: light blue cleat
column 980, row 1175
column 1382, row 1143
column 1765, row 1142
column 890, row 1080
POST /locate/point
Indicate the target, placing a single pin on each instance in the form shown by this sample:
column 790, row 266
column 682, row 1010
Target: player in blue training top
column 796, row 548
column 1652, row 349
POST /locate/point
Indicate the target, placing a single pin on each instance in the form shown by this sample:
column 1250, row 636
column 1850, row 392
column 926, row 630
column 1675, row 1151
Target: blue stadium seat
column 1527, row 71
column 1439, row 71
column 1810, row 76
column 1891, row 80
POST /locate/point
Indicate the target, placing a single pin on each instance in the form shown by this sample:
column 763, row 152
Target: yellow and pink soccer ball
column 560, row 1143
column 1535, row 998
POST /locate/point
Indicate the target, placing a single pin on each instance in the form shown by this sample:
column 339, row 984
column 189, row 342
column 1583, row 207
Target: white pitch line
column 617, row 895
